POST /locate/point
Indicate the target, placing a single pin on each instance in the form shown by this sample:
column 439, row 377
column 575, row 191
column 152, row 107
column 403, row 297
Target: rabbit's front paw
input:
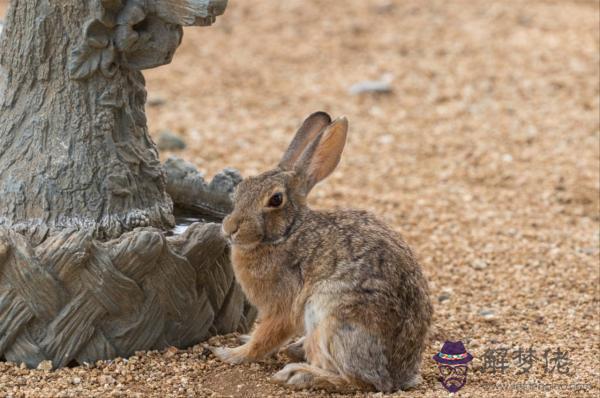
column 232, row 356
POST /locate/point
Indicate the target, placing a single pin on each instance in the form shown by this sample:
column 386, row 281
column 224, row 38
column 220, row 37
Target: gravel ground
column 483, row 152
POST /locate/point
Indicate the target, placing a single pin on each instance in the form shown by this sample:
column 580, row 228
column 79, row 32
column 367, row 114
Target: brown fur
column 341, row 278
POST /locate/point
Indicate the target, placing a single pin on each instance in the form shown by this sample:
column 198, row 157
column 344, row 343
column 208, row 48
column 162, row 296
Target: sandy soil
column 485, row 157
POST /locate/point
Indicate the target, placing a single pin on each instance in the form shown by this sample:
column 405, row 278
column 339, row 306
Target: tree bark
column 77, row 167
column 74, row 144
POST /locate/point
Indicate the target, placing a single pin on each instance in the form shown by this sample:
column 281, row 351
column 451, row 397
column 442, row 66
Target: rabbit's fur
column 343, row 279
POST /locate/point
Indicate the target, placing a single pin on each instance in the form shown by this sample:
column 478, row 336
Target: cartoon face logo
column 453, row 363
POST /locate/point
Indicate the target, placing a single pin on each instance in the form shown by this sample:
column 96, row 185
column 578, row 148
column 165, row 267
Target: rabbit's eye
column 276, row 200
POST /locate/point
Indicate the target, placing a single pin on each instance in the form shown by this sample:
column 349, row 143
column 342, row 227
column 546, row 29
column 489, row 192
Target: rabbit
column 343, row 279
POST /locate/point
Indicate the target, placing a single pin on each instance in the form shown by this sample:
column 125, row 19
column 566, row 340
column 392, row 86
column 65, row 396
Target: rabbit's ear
column 311, row 127
column 323, row 154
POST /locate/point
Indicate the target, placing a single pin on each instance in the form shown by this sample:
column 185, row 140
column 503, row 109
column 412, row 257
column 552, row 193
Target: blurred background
column 480, row 144
column 474, row 132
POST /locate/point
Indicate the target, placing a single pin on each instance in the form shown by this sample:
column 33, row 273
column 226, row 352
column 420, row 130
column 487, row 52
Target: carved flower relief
column 125, row 34
column 104, row 123
column 109, row 9
column 96, row 53
column 155, row 45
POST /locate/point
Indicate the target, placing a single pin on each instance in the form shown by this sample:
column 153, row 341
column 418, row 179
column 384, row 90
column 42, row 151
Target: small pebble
column 156, row 101
column 385, row 139
column 170, row 352
column 479, row 264
column 588, row 250
column 383, row 86
column 443, row 297
column 45, row 365
column 487, row 314
column 168, row 141
column 106, row 379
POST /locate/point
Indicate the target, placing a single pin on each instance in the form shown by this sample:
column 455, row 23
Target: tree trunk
column 77, row 167
column 75, row 146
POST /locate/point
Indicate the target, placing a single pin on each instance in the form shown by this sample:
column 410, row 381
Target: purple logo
column 453, row 363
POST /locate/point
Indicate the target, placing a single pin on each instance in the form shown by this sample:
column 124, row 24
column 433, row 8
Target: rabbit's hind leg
column 319, row 373
column 360, row 355
column 303, row 375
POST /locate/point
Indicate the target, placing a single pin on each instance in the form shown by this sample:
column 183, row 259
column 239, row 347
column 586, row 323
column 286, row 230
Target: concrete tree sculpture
column 87, row 267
